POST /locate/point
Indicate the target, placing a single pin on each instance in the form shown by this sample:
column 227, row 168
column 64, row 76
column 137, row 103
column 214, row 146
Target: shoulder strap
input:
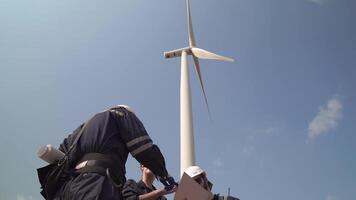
column 77, row 138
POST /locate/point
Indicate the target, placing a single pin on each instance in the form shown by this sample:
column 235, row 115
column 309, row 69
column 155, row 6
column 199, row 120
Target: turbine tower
column 187, row 148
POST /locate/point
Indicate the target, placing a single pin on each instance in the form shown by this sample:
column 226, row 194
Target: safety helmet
column 194, row 171
column 126, row 107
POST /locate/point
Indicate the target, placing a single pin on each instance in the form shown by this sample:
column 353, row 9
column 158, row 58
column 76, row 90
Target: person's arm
column 139, row 143
column 130, row 190
column 153, row 159
column 156, row 194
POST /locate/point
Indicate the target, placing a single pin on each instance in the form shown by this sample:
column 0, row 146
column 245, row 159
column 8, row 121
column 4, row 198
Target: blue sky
column 283, row 113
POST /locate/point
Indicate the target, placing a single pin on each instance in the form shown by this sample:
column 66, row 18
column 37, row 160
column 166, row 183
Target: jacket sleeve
column 130, row 190
column 139, row 143
column 153, row 159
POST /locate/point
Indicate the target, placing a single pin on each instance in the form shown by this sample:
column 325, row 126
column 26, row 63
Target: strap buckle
column 82, row 164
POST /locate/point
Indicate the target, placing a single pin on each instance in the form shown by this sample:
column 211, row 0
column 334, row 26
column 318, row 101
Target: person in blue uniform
column 144, row 189
column 97, row 163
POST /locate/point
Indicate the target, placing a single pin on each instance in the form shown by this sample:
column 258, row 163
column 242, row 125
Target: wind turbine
column 187, row 148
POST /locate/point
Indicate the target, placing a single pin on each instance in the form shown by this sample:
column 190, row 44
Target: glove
column 168, row 182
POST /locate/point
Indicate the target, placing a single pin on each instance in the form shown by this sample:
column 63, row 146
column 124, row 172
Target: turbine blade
column 197, row 68
column 190, row 26
column 204, row 54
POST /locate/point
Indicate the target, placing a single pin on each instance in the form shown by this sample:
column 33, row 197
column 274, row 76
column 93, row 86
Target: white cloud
column 326, row 119
column 320, row 2
column 22, row 197
column 330, row 197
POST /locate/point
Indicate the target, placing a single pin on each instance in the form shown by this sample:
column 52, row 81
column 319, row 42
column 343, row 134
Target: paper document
column 189, row 189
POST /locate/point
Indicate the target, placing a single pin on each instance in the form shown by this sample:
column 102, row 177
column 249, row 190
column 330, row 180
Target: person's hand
column 163, row 191
column 168, row 182
column 174, row 189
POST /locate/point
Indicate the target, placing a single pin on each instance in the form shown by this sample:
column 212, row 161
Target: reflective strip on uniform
column 141, row 149
column 81, row 165
column 137, row 140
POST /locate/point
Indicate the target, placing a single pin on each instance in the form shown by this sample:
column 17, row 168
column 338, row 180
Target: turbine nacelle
column 197, row 52
column 177, row 52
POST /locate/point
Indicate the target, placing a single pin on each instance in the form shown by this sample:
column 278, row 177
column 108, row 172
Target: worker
column 144, row 189
column 97, row 163
column 199, row 175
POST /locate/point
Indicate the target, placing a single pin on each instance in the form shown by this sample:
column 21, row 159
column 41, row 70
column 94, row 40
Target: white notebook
column 189, row 189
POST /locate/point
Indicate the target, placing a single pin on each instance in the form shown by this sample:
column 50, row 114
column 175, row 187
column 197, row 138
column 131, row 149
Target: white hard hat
column 126, row 107
column 194, row 171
